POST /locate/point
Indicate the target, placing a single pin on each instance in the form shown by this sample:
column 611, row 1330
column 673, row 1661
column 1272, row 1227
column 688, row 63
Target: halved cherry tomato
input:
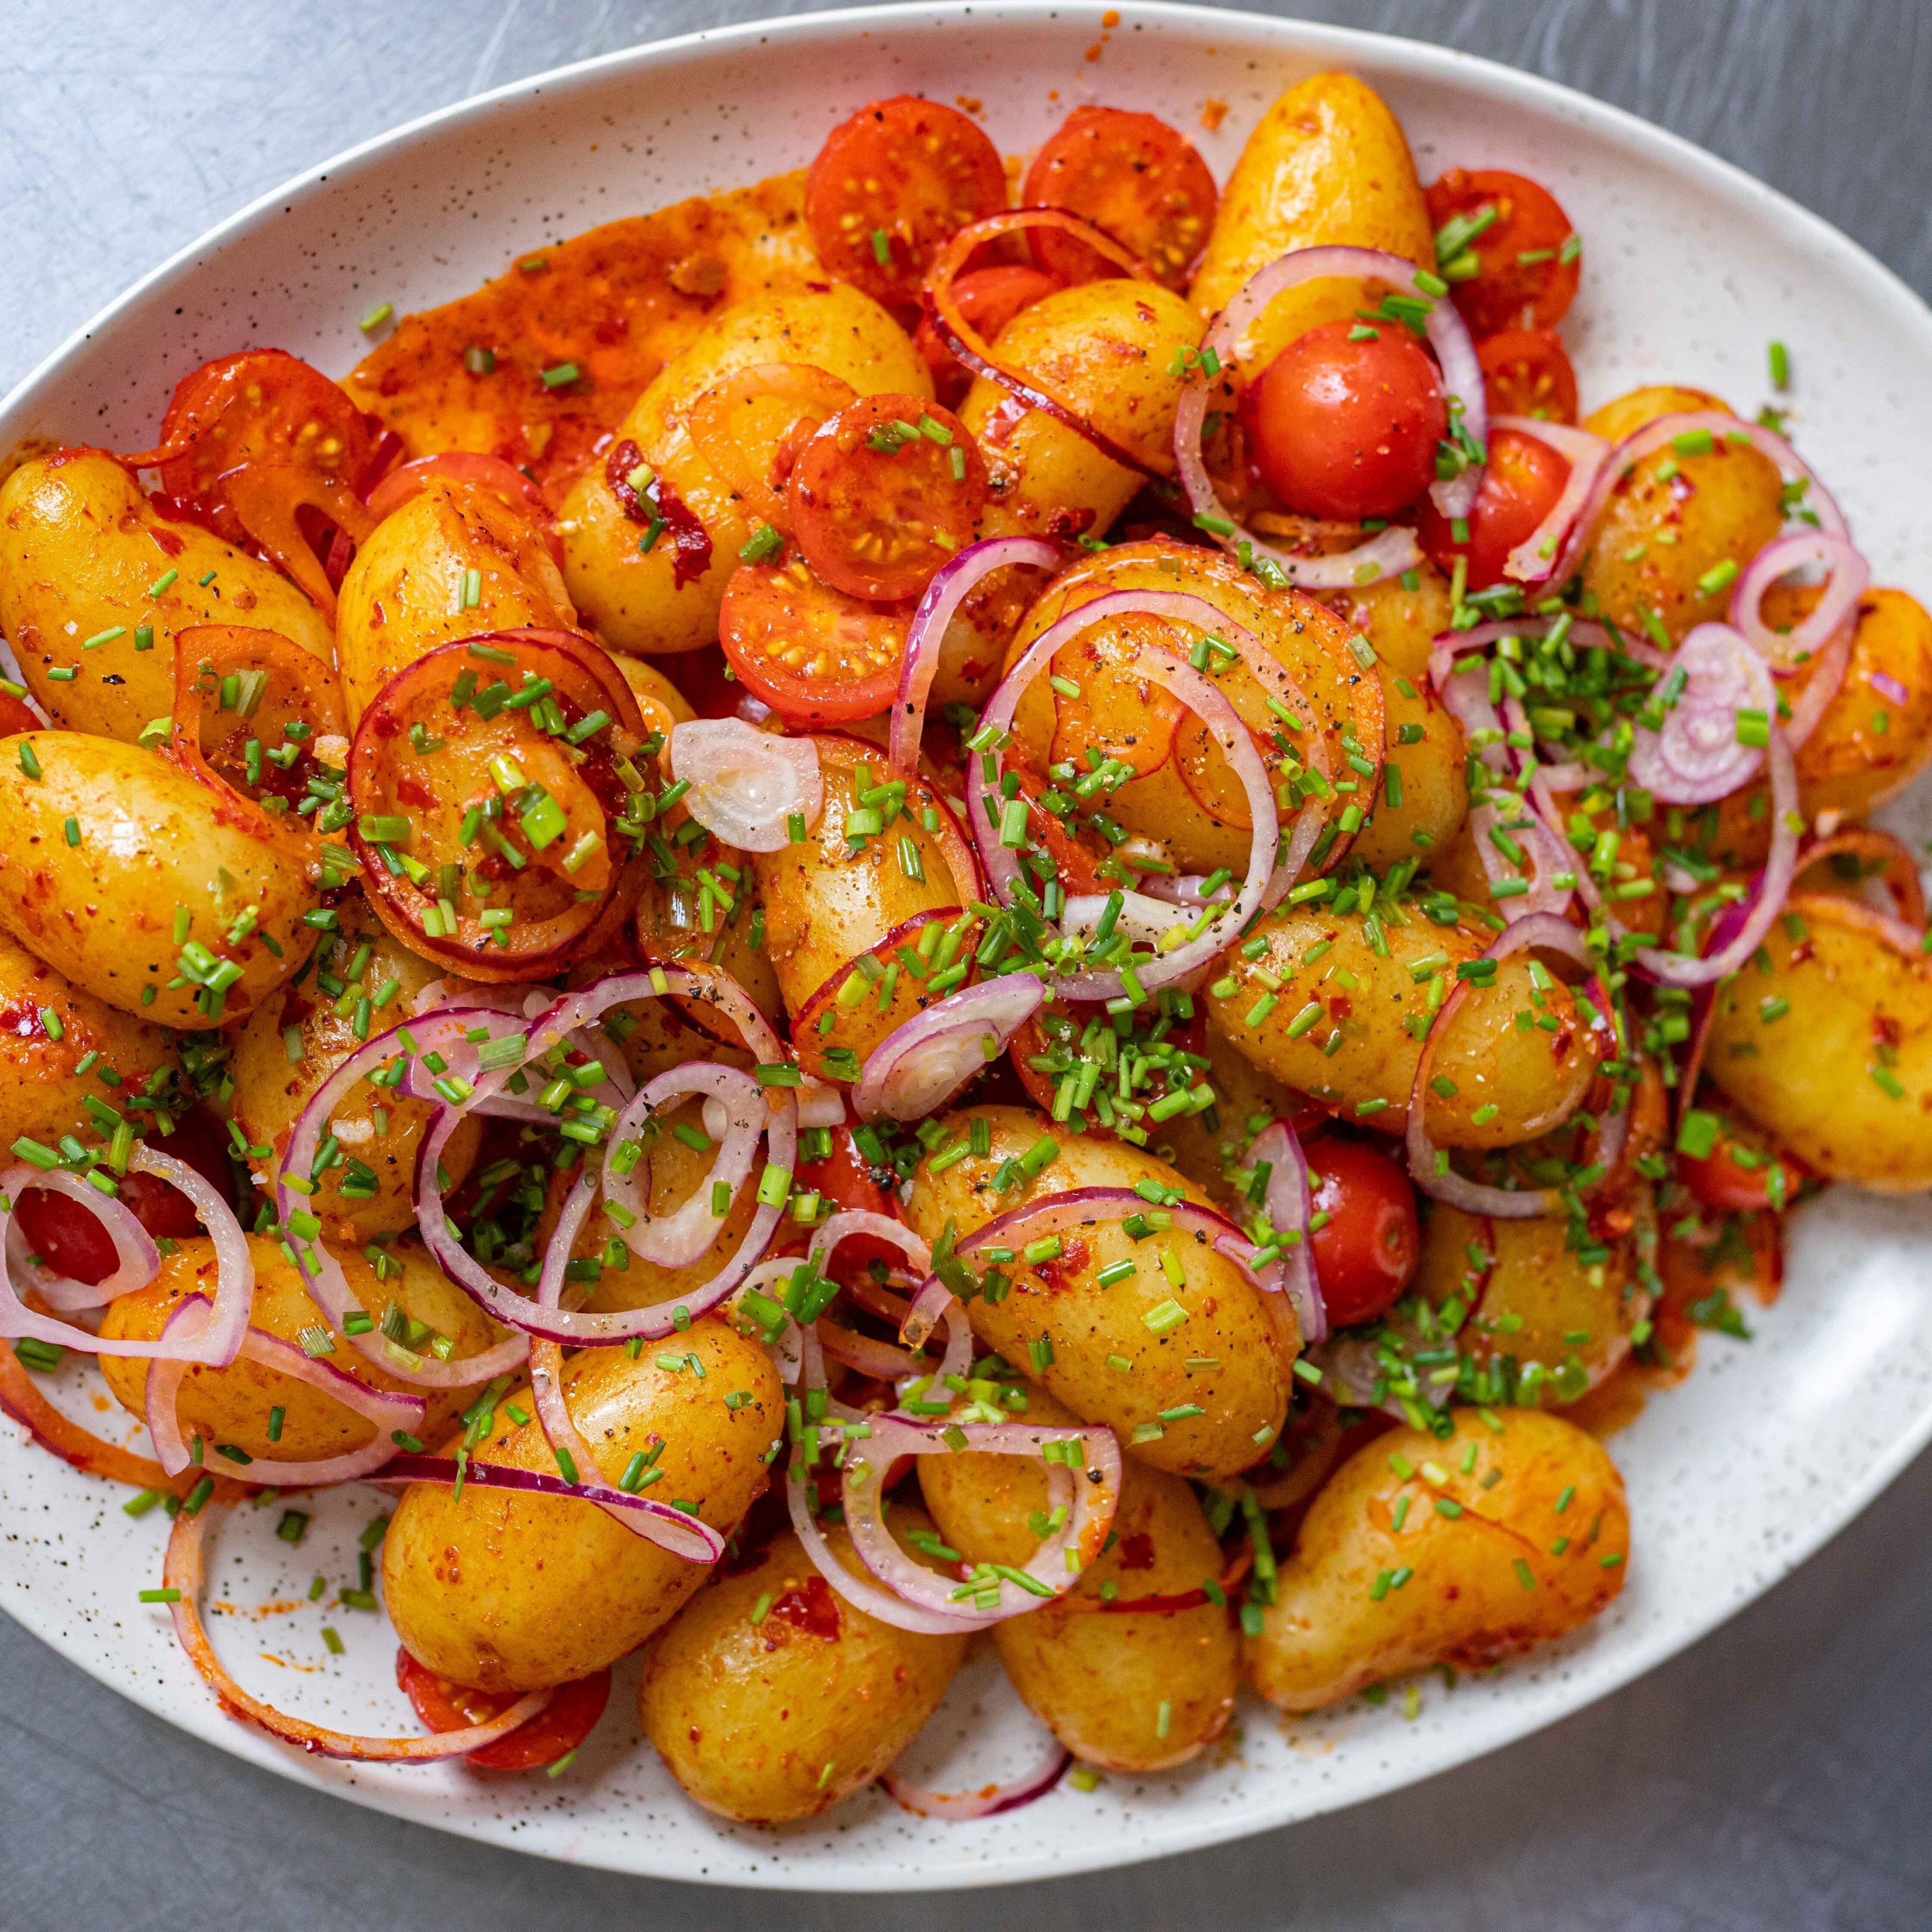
column 811, row 652
column 1111, row 711
column 1524, row 479
column 1526, row 372
column 845, row 1179
column 1343, row 423
column 988, row 298
column 1742, row 1171
column 553, row 1733
column 1365, row 1251
column 751, row 426
column 504, row 481
column 892, row 185
column 1521, row 281
column 15, row 716
column 1132, row 175
column 72, row 1242
column 887, row 490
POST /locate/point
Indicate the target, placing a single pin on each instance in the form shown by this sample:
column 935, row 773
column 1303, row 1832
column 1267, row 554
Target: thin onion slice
column 136, row 1259
column 677, row 1239
column 1849, row 573
column 990, row 1800
column 1290, row 1208
column 1535, row 559
column 61, row 1435
column 445, row 1032
column 924, row 1060
column 746, row 785
column 1697, row 758
column 182, row 1572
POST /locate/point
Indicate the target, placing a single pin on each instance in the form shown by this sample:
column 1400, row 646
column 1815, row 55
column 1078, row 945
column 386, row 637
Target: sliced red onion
column 1290, row 1208
column 954, row 582
column 213, row 1343
column 787, row 1348
column 445, row 1031
column 1696, row 759
column 450, row 990
column 1886, row 686
column 924, row 1060
column 136, row 1259
column 387, row 1410
column 182, row 1571
column 1351, row 1367
column 1848, row 573
column 1535, row 559
column 879, row 1359
column 677, row 1239
column 990, row 1800
column 746, row 783
column 934, row 1304
column 1827, row 679
column 1394, row 549
column 821, row 1104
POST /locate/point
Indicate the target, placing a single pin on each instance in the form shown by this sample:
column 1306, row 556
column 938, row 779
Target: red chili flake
column 812, row 1608
column 690, row 540
column 1065, row 1267
column 1137, row 1551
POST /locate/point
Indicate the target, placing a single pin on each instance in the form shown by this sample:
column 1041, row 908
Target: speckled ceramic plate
column 1771, row 1447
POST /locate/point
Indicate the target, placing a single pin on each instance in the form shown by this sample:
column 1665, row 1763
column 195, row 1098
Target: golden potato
column 232, row 1405
column 1320, row 979
column 653, row 690
column 1208, row 1146
column 1624, row 415
column 41, row 1087
column 1424, row 792
column 507, row 1591
column 1831, row 1051
column 109, row 844
column 1869, row 746
column 1130, row 1691
column 1409, row 1558
column 80, row 551
column 633, row 599
column 318, row 1029
column 1211, row 1343
column 410, row 588
column 770, row 1697
column 1403, row 624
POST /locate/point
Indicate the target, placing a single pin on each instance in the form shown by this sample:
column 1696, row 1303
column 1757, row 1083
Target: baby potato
column 1564, row 1323
column 1327, row 163
column 41, row 1089
column 410, row 588
column 1320, row 977
column 634, row 599
column 657, row 696
column 1130, row 1691
column 1869, row 746
column 1109, row 1362
column 770, row 1697
column 1401, row 624
column 106, row 843
column 232, row 1405
column 1245, row 1099
column 1311, row 643
column 1660, row 535
column 1425, row 781
column 509, row 1592
column 80, row 551
column 1486, row 1572
column 1831, row 1051
column 1624, row 415
column 271, row 1090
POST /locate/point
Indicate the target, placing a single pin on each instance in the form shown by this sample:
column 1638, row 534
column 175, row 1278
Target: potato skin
column 748, row 1717
column 1535, row 1079
column 1848, row 765
column 79, row 546
column 1859, row 1003
column 1325, row 1637
column 151, row 838
column 1098, row 1680
column 231, row 1404
column 270, row 1091
column 1401, row 624
column 1245, row 1397
column 632, row 600
column 405, row 592
column 40, row 1093
column 507, row 1591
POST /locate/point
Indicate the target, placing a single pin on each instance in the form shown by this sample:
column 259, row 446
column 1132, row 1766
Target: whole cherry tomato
column 571, row 1716
column 1517, row 235
column 1365, row 1251
column 1520, row 486
column 15, row 716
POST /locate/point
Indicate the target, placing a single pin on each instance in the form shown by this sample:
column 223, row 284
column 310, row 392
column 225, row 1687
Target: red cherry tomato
column 1132, row 175
column 1348, row 429
column 894, row 184
column 1526, row 372
column 988, row 298
column 1523, row 482
column 571, row 1716
column 844, row 1178
column 811, row 653
column 16, row 717
column 72, row 1242
column 1736, row 1176
column 1365, row 1251
column 1508, row 290
column 888, row 490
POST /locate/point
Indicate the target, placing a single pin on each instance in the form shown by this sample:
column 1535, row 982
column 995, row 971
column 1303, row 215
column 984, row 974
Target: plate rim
column 1423, row 61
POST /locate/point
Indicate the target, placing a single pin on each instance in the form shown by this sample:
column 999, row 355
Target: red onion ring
column 924, row 1060
column 1849, row 573
column 879, row 1360
column 182, row 1571
column 677, row 1239
column 136, row 1259
column 953, row 583
column 990, row 1800
column 1290, row 1208
column 1696, row 759
column 746, row 783
column 1533, row 560
column 934, row 1304
column 446, row 1030
column 214, row 1344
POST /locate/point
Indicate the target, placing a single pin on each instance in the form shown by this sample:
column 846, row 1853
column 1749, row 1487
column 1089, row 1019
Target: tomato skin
column 1721, row 1185
column 1132, row 175
column 571, row 1716
column 1524, row 479
column 849, row 650
column 1526, row 372
column 1506, row 293
column 844, row 1178
column 914, row 169
column 16, row 717
column 1366, row 1251
column 1347, row 429
column 988, row 298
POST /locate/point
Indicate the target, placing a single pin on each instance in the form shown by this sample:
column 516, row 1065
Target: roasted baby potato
column 1486, row 1570
column 1118, row 1353
column 507, row 1591
column 83, row 557
column 770, row 1697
